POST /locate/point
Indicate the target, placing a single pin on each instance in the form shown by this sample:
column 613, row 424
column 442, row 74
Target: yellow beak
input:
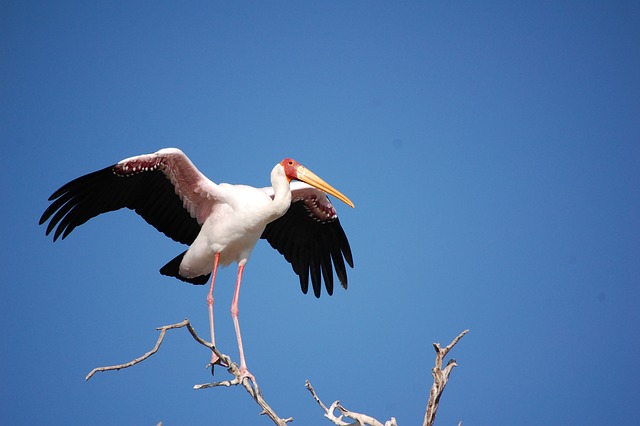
column 307, row 176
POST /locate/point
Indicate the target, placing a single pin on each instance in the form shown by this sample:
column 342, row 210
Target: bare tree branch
column 163, row 331
column 249, row 383
column 440, row 379
column 360, row 419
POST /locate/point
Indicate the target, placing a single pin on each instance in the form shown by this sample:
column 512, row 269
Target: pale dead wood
column 163, row 332
column 249, row 383
column 440, row 379
column 359, row 419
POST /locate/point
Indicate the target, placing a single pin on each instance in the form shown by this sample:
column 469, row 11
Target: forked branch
column 359, row 419
column 249, row 383
column 163, row 332
column 440, row 379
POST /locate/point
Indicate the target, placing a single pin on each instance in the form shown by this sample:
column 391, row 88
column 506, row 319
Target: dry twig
column 251, row 386
column 360, row 419
column 163, row 331
column 249, row 383
column 440, row 378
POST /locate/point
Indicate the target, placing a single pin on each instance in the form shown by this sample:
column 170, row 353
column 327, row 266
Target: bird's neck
column 281, row 191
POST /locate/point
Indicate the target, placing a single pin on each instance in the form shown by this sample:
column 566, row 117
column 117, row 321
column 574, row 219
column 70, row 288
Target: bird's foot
column 244, row 373
column 215, row 359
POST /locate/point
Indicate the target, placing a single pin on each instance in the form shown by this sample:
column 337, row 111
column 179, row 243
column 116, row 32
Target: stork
column 221, row 223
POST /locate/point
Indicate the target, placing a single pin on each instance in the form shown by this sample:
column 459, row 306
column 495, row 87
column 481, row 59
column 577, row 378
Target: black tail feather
column 172, row 269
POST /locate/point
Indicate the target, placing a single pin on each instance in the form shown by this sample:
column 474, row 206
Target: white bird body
column 233, row 226
column 221, row 223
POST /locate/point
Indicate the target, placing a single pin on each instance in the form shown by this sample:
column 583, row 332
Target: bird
column 221, row 223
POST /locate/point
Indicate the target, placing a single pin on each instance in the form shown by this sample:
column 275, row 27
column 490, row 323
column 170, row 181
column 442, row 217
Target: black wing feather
column 310, row 245
column 150, row 194
column 172, row 269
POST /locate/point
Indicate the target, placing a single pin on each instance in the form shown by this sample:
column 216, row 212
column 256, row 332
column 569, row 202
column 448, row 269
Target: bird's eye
column 291, row 162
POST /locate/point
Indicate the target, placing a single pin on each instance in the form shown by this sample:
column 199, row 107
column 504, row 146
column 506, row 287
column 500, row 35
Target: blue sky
column 492, row 151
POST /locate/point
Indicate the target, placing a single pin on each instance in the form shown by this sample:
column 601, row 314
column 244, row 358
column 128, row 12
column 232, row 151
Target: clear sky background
column 492, row 150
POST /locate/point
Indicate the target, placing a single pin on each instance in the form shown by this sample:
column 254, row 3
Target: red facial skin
column 290, row 168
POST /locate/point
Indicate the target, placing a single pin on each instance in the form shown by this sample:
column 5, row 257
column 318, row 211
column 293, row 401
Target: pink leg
column 214, row 358
column 236, row 323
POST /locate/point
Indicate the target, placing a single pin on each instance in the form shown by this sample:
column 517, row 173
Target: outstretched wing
column 310, row 237
column 165, row 188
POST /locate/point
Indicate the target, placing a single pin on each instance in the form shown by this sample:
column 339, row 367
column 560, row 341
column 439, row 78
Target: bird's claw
column 215, row 359
column 245, row 374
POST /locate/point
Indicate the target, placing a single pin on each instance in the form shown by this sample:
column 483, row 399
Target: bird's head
column 295, row 170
